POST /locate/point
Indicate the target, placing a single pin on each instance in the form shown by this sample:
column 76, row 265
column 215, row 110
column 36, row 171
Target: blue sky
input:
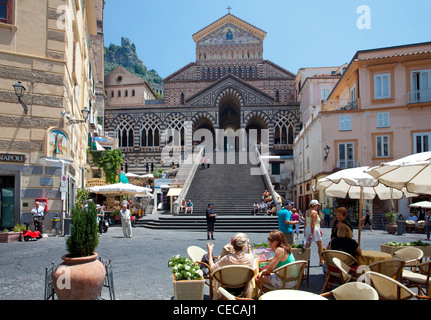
column 307, row 33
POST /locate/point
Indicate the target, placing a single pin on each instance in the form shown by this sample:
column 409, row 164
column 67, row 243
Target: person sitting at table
column 413, row 218
column 240, row 244
column 344, row 241
column 282, row 256
column 341, row 215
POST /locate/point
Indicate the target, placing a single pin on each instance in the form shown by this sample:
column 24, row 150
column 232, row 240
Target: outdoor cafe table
column 288, row 294
column 368, row 257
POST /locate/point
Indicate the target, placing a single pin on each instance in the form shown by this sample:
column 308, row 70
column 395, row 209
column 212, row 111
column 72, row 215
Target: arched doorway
column 204, row 133
column 230, row 118
column 258, row 124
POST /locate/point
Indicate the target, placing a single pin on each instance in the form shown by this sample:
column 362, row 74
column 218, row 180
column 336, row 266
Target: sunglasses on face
column 270, row 240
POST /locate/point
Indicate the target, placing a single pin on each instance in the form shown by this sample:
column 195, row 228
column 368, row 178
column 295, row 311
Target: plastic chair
column 353, row 291
column 333, row 273
column 390, row 289
column 420, row 278
column 234, row 277
column 409, row 255
column 391, row 268
column 290, row 272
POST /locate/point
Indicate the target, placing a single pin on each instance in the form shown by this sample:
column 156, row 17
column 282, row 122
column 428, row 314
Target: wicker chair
column 333, row 273
column 420, row 278
column 410, row 255
column 421, row 228
column 392, row 268
column 288, row 273
column 229, row 296
column 390, row 289
column 353, row 291
column 347, row 273
column 234, row 277
column 410, row 226
column 196, row 254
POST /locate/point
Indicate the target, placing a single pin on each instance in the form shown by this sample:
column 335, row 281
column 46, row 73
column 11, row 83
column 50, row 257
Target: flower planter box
column 189, row 289
column 391, row 250
column 8, row 237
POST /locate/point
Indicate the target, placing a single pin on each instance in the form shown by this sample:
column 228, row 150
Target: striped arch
column 230, row 91
column 285, row 127
column 257, row 114
column 203, row 115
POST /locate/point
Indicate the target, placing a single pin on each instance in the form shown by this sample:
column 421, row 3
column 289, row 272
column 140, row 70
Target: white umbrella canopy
column 412, row 172
column 119, row 188
column 357, row 184
column 422, row 204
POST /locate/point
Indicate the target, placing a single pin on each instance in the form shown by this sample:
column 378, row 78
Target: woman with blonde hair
column 344, row 241
column 282, row 256
column 240, row 255
column 312, row 232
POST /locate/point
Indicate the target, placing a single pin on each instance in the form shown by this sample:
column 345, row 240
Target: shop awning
column 174, row 192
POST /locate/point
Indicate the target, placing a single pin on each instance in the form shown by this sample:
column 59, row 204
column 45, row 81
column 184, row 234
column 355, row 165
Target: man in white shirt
column 412, row 217
column 126, row 223
column 37, row 213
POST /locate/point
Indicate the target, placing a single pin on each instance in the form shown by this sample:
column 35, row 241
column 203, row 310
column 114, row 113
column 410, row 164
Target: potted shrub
column 7, row 236
column 188, row 279
column 391, row 227
column 81, row 275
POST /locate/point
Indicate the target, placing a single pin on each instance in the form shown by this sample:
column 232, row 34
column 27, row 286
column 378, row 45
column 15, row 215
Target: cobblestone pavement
column 139, row 264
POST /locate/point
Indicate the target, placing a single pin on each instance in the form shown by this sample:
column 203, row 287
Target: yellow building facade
column 46, row 46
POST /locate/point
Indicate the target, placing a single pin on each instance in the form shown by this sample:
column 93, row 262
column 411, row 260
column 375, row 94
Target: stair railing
column 193, row 167
column 267, row 179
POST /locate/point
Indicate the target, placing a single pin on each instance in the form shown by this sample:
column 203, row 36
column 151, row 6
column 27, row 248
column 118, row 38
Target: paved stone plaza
column 140, row 263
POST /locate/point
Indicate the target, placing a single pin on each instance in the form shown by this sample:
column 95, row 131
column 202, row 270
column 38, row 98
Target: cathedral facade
column 230, row 87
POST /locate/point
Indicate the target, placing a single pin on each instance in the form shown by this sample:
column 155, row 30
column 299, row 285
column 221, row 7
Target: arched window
column 175, row 130
column 133, row 92
column 126, row 93
column 150, row 133
column 119, row 94
column 284, row 130
column 125, row 134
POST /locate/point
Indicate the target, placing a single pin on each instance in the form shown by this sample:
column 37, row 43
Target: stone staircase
column 230, row 187
column 232, row 190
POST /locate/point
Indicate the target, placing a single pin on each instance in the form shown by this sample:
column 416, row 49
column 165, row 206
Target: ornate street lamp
column 326, row 149
column 19, row 91
column 85, row 114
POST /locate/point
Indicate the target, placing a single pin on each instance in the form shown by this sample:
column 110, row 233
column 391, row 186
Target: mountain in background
column 127, row 57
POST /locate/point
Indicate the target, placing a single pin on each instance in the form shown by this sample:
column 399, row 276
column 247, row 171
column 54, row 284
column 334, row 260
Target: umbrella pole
column 360, row 217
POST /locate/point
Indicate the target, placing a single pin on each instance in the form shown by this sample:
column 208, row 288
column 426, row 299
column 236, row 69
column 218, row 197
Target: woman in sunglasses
column 282, row 256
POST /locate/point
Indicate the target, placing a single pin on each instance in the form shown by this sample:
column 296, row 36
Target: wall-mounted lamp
column 19, row 91
column 326, row 149
column 85, row 113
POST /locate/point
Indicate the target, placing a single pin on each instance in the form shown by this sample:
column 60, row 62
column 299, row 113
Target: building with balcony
column 378, row 111
column 49, row 48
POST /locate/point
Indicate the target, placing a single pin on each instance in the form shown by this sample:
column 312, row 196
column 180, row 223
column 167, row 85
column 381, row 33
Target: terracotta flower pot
column 79, row 278
column 392, row 228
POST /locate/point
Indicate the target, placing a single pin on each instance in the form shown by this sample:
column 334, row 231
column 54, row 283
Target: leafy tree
column 109, row 161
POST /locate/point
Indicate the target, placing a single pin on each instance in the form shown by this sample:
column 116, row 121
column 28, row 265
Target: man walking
column 126, row 223
column 285, row 221
column 211, row 218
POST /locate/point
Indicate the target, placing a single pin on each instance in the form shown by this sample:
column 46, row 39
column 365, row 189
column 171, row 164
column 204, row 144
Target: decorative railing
column 419, row 96
column 340, row 104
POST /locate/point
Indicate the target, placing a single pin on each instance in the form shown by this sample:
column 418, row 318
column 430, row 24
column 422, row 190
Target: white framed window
column 324, row 93
column 421, row 86
column 346, row 155
column 382, row 86
column 345, row 123
column 383, row 120
column 421, row 142
column 382, row 146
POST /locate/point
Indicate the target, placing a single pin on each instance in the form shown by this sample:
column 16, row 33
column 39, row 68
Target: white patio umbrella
column 422, row 204
column 357, row 184
column 120, row 189
column 412, row 172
